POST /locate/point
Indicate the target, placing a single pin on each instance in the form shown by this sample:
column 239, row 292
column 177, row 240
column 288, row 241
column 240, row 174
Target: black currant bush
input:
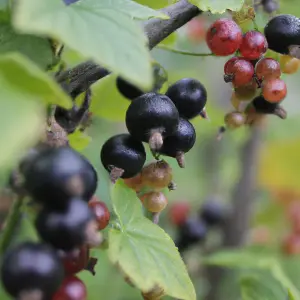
column 87, row 173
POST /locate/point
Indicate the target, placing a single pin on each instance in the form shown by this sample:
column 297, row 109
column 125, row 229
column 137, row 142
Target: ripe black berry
column 123, row 156
column 127, row 89
column 180, row 142
column 57, row 174
column 152, row 117
column 213, row 213
column 190, row 233
column 189, row 95
column 31, row 271
column 70, row 228
column 282, row 32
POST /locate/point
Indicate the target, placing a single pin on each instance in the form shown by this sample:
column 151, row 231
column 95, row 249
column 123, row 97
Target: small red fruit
column 179, row 212
column 72, row 288
column 101, row 212
column 254, row 45
column 224, row 37
column 291, row 244
column 74, row 263
column 267, row 68
column 196, row 30
column 274, row 90
column 135, row 183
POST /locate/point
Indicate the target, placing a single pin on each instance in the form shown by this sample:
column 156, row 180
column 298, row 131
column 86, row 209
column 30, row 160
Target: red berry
column 101, row 212
column 291, row 244
column 74, row 263
column 254, row 45
column 267, row 68
column 238, row 71
column 274, row 90
column 179, row 213
column 135, row 183
column 224, row 37
column 196, row 30
column 72, row 288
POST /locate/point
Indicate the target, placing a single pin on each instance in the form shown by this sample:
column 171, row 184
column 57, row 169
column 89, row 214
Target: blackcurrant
column 123, row 156
column 68, row 229
column 189, row 96
column 213, row 213
column 180, row 142
column 127, row 89
column 190, row 233
column 57, row 174
column 282, row 32
column 31, row 271
column 72, row 288
column 152, row 117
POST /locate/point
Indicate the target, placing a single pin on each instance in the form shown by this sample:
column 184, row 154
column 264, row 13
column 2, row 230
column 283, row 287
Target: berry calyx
column 31, row 271
column 180, row 142
column 267, row 68
column 274, row 90
column 101, row 212
column 213, row 213
column 69, row 229
column 127, row 89
column 58, row 174
column 239, row 71
column 234, row 120
column 189, row 96
column 253, row 45
column 145, row 122
column 224, row 37
column 75, row 262
column 135, row 183
column 289, row 65
column 179, row 212
column 123, row 156
column 72, row 288
column 154, row 202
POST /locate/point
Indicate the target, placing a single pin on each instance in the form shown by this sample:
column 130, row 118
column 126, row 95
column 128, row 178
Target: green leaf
column 262, row 286
column 107, row 102
column 79, row 140
column 35, row 48
column 218, row 6
column 96, row 29
column 144, row 251
column 26, row 78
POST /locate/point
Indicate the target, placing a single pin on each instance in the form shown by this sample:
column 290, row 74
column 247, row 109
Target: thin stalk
column 182, row 52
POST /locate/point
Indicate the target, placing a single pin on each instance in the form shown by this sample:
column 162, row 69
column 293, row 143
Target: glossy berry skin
column 254, row 45
column 101, row 212
column 127, row 89
column 157, row 175
column 150, row 113
column 125, row 152
column 238, row 71
column 181, row 141
column 154, row 202
column 274, row 90
column 234, row 120
column 135, row 183
column 190, row 233
column 262, row 106
column 31, row 266
column 179, row 212
column 213, row 213
column 289, row 65
column 224, row 37
column 74, row 263
column 72, row 288
column 65, row 230
column 58, row 174
column 281, row 32
column 267, row 68
column 189, row 96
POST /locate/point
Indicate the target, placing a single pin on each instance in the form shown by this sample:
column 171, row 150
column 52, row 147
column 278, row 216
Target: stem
column 182, row 52
column 11, row 223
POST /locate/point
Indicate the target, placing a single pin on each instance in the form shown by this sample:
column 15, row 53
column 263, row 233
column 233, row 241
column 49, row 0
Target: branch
column 82, row 76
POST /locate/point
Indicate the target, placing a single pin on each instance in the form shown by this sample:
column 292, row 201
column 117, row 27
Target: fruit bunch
column 62, row 183
column 193, row 229
column 255, row 78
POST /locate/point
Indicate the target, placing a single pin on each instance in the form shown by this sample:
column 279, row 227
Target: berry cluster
column 62, row 182
column 191, row 229
column 255, row 79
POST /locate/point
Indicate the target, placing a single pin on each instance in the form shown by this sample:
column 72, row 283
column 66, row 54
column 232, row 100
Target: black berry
column 127, row 89
column 282, row 32
column 57, row 174
column 70, row 228
column 31, row 271
column 180, row 142
column 123, row 156
column 190, row 233
column 263, row 106
column 152, row 117
column 189, row 95
column 213, row 213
